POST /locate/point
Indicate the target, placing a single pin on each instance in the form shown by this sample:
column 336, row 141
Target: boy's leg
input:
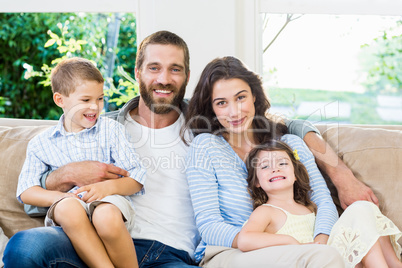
column 72, row 217
column 41, row 247
column 279, row 256
column 109, row 224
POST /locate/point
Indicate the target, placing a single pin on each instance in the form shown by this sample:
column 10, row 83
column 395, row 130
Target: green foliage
column 66, row 48
column 22, row 40
column 383, row 58
column 125, row 91
column 127, row 44
column 19, row 44
column 3, row 103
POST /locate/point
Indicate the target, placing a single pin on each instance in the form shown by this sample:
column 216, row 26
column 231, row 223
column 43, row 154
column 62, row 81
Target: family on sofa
column 193, row 218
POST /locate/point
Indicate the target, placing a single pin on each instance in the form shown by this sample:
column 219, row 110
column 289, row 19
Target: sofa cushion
column 13, row 145
column 375, row 157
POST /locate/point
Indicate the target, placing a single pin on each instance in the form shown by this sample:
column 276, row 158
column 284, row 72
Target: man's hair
column 70, row 73
column 163, row 38
column 301, row 188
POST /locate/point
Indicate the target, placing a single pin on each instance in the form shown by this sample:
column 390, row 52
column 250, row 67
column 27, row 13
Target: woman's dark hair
column 200, row 117
column 301, row 188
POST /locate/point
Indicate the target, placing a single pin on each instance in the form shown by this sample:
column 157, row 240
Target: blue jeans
column 50, row 247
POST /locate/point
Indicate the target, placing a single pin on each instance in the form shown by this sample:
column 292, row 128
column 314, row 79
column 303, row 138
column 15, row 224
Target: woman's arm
column 327, row 214
column 205, row 195
column 350, row 189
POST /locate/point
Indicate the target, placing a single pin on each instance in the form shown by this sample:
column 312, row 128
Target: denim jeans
column 50, row 247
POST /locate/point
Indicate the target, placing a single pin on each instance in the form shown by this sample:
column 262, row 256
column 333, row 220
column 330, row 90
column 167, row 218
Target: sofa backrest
column 13, row 145
column 374, row 154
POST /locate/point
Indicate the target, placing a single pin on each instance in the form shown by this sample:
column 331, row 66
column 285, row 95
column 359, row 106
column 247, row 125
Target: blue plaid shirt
column 107, row 142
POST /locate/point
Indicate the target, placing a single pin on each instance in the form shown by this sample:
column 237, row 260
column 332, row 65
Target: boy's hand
column 95, row 191
column 82, row 173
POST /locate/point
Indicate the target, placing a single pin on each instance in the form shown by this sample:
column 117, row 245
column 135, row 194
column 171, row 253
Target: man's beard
column 161, row 105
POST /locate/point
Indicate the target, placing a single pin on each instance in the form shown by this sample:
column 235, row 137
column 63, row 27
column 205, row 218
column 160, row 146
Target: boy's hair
column 70, row 73
column 163, row 38
column 301, row 188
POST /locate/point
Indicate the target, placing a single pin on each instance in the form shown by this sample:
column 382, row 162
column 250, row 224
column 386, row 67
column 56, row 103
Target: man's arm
column 350, row 189
column 80, row 174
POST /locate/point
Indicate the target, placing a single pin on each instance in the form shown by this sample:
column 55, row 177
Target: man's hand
column 352, row 190
column 82, row 173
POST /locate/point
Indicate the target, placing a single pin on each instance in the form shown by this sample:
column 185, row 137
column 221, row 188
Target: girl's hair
column 301, row 188
column 200, row 117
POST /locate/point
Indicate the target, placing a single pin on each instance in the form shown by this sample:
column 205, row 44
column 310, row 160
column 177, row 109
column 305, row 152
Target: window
column 333, row 67
column 32, row 41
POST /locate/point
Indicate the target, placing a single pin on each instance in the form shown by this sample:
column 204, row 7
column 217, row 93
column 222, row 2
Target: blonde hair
column 70, row 73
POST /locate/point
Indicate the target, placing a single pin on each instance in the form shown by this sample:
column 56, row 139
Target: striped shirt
column 106, row 142
column 218, row 187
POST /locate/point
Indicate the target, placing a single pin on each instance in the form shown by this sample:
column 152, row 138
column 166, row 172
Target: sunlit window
column 343, row 68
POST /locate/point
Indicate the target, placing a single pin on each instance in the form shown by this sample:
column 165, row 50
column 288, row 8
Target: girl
column 284, row 214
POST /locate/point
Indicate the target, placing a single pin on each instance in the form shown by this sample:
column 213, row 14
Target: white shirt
column 165, row 212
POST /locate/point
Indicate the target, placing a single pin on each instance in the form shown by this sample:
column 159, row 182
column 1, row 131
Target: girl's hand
column 95, row 191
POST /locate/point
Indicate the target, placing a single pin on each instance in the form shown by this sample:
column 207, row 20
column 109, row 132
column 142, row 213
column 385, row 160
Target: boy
column 81, row 134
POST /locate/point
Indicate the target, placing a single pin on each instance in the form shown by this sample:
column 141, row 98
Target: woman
column 227, row 115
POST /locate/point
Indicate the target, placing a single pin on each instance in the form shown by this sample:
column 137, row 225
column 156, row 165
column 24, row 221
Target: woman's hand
column 321, row 239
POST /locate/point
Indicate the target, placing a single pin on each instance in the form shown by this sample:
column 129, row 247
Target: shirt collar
column 60, row 130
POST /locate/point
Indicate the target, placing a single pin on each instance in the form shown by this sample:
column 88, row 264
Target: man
column 165, row 234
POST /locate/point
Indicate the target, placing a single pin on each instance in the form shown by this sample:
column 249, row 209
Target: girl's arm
column 121, row 186
column 253, row 235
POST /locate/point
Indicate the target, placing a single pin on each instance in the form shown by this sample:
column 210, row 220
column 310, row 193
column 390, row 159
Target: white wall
column 210, row 28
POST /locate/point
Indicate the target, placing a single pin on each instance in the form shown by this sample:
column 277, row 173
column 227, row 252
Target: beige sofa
column 373, row 153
